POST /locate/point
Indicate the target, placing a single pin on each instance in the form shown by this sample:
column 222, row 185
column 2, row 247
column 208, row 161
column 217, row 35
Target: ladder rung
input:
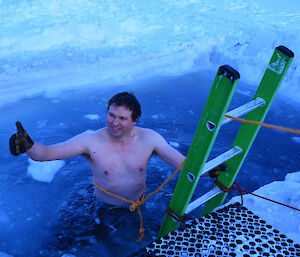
column 203, row 199
column 208, row 166
column 243, row 109
column 221, row 159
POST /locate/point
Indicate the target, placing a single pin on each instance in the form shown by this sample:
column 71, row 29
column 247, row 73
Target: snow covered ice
column 92, row 116
column 60, row 61
column 113, row 42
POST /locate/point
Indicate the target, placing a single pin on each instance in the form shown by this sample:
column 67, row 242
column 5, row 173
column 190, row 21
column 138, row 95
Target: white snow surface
column 51, row 46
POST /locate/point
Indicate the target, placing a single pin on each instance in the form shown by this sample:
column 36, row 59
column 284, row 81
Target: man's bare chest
column 110, row 160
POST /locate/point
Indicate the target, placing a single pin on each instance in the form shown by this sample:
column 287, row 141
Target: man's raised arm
column 20, row 142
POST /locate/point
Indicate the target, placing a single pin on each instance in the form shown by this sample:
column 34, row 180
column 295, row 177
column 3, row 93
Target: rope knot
column 135, row 205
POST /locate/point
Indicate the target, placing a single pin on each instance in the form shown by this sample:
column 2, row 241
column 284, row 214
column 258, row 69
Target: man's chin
column 115, row 133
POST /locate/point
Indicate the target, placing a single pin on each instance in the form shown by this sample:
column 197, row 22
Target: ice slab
column 44, row 171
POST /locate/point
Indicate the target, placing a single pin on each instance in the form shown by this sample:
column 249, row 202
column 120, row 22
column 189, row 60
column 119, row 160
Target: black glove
column 217, row 170
column 20, row 142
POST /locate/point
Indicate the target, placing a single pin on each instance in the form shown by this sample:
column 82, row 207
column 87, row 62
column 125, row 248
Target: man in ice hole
column 118, row 154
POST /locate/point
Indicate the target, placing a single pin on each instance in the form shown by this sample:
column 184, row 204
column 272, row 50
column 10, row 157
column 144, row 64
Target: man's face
column 119, row 120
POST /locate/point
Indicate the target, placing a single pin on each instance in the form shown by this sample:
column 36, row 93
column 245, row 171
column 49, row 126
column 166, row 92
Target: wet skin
column 118, row 154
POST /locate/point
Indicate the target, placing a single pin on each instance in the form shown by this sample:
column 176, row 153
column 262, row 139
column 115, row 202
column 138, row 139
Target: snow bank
column 48, row 47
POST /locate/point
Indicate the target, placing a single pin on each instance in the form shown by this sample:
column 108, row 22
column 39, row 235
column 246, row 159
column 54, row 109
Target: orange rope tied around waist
column 290, row 130
column 136, row 205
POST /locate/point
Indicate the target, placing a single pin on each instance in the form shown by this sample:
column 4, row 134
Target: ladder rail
column 209, row 125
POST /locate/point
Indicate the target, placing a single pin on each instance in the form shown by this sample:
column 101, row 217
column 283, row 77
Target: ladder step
column 208, row 166
column 203, row 199
column 244, row 109
column 221, row 159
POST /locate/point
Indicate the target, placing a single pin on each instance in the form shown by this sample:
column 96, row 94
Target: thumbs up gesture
column 20, row 142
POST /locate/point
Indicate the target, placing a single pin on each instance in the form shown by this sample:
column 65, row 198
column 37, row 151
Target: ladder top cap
column 285, row 51
column 229, row 72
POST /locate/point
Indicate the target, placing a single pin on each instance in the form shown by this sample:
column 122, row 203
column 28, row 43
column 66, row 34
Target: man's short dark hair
column 128, row 100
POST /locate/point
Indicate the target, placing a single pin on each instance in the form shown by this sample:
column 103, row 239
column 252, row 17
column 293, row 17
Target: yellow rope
column 136, row 205
column 290, row 130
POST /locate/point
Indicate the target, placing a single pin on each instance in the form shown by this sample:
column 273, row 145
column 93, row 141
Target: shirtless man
column 118, row 154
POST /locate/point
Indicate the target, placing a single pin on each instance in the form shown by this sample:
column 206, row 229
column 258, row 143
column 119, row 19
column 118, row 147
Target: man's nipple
column 105, row 172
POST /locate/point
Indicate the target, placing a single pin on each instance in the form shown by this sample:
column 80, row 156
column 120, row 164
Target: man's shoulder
column 145, row 131
column 148, row 133
column 92, row 134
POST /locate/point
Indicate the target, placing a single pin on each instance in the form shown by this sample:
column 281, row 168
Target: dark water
column 41, row 219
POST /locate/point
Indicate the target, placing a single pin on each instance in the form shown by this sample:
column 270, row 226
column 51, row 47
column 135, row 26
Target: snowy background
column 60, row 61
column 51, row 46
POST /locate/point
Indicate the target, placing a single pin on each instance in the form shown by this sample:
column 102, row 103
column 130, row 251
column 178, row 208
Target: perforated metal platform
column 230, row 231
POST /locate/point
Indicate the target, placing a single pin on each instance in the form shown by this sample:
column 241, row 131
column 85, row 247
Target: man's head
column 123, row 112
column 129, row 101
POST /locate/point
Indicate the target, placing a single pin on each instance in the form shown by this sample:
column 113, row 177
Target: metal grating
column 230, row 231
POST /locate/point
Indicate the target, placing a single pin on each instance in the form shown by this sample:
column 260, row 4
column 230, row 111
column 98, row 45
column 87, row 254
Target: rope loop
column 222, row 187
column 227, row 190
column 176, row 217
column 135, row 205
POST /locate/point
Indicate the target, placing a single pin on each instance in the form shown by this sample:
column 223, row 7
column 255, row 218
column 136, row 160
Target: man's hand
column 20, row 142
column 217, row 170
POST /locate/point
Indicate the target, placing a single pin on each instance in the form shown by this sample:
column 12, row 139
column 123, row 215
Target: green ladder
column 213, row 117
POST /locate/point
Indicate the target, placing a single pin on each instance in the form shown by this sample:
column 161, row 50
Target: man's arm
column 166, row 152
column 21, row 142
column 70, row 148
column 174, row 158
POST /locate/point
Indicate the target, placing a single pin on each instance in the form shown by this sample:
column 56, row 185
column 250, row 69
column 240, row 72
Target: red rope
column 236, row 186
column 176, row 217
